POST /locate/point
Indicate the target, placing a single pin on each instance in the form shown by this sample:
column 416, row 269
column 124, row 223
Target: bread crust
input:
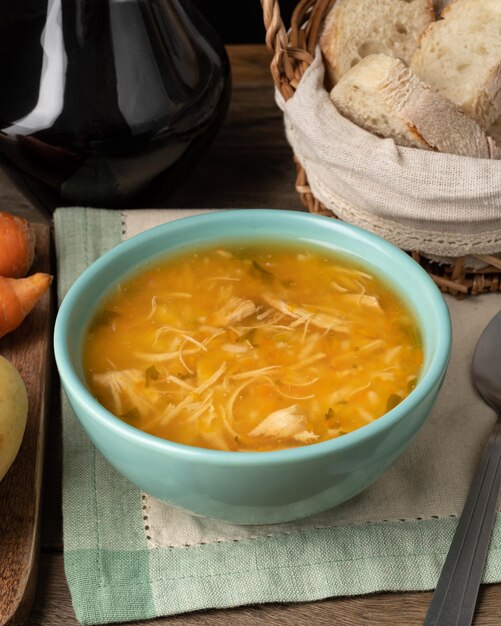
column 460, row 57
column 409, row 111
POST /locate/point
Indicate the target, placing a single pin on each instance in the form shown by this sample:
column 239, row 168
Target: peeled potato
column 13, row 414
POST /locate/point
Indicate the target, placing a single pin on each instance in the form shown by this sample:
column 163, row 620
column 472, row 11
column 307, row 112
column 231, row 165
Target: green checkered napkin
column 115, row 573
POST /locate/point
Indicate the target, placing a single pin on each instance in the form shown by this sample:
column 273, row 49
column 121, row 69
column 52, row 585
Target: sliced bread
column 356, row 28
column 460, row 57
column 382, row 95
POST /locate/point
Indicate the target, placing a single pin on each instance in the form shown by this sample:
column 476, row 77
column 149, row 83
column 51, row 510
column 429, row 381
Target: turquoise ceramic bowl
column 262, row 487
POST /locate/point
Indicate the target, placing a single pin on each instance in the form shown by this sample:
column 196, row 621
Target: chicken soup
column 252, row 347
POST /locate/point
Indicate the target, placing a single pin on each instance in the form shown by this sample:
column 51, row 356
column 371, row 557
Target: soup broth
column 252, row 347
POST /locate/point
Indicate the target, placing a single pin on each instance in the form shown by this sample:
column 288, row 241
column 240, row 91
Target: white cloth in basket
column 439, row 204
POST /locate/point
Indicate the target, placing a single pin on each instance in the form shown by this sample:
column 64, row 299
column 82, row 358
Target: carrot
column 17, row 245
column 18, row 297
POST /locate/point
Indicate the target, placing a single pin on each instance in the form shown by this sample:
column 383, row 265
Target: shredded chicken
column 122, row 386
column 234, row 310
column 370, row 301
column 285, row 424
column 320, row 320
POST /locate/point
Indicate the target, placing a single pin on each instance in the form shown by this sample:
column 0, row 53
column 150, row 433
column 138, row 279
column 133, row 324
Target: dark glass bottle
column 103, row 101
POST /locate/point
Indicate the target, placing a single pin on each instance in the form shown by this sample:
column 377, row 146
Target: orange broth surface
column 252, row 348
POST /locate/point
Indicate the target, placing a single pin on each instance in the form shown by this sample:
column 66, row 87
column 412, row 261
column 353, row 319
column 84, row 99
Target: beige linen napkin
column 440, row 204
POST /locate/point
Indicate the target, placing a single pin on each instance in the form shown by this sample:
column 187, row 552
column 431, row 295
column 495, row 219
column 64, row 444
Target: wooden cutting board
column 29, row 348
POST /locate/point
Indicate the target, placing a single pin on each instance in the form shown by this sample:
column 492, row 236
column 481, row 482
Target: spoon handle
column 453, row 602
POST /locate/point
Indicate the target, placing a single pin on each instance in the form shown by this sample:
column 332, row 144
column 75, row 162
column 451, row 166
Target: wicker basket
column 293, row 52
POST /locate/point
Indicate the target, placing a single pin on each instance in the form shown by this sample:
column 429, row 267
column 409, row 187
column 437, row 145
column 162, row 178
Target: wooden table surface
column 248, row 165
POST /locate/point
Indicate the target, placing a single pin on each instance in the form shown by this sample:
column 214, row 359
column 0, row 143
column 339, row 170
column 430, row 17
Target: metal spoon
column 453, row 602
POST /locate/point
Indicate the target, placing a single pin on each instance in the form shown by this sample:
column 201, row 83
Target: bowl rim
column 74, row 386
